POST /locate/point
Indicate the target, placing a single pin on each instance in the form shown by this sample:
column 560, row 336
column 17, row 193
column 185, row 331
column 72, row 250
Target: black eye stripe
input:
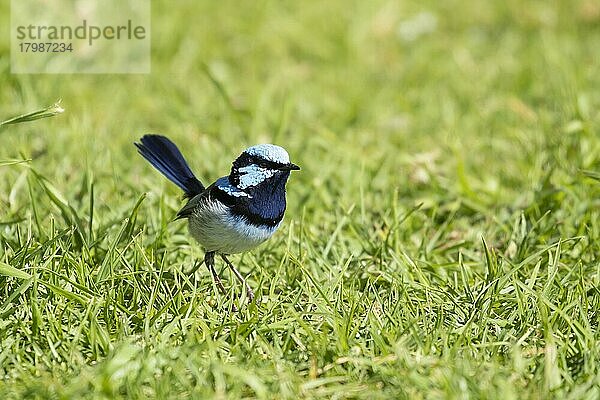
column 261, row 162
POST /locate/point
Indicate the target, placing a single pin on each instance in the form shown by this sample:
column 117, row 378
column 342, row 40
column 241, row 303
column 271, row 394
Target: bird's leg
column 209, row 260
column 237, row 274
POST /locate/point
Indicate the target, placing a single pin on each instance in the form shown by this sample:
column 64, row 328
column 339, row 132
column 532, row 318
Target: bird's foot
column 249, row 291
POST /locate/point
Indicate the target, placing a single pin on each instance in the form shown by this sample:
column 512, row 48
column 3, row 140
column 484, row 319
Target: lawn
column 442, row 240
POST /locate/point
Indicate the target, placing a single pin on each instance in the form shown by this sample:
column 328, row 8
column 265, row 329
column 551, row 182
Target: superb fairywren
column 237, row 212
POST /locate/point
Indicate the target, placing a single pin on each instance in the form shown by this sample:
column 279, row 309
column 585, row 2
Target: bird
column 238, row 211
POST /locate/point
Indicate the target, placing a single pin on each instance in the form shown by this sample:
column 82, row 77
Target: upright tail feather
column 166, row 157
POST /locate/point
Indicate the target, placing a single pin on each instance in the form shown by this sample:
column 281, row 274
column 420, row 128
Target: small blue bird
column 237, row 212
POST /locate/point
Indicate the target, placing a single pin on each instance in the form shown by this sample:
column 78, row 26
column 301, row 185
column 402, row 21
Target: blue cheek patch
column 252, row 175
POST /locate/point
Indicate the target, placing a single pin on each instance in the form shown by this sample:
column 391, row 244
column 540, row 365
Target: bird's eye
column 263, row 164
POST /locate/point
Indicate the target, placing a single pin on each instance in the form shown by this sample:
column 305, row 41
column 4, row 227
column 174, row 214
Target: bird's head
column 262, row 163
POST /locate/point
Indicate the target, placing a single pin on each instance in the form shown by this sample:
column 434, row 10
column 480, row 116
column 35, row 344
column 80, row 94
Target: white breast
column 216, row 229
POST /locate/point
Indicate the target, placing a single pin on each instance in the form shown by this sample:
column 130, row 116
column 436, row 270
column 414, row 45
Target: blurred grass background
column 421, row 128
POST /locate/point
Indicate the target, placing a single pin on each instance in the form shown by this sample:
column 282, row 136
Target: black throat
column 265, row 203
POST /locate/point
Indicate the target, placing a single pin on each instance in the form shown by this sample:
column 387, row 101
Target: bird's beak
column 289, row 167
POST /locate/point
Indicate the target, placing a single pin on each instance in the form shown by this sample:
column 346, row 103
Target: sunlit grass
column 442, row 239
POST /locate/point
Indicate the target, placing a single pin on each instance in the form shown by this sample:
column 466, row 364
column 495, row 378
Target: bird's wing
column 187, row 210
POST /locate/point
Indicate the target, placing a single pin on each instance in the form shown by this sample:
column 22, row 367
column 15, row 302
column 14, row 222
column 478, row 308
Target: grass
column 441, row 241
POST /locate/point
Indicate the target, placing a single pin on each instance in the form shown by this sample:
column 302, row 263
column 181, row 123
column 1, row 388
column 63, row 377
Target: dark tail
column 166, row 157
